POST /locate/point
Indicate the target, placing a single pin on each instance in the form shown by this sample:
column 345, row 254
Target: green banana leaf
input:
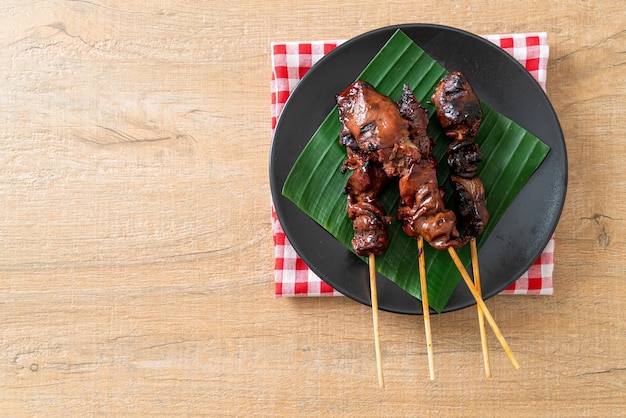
column 510, row 157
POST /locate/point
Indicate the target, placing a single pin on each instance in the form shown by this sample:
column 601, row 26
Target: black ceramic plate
column 499, row 80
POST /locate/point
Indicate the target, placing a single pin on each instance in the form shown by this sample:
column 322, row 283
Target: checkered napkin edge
column 290, row 61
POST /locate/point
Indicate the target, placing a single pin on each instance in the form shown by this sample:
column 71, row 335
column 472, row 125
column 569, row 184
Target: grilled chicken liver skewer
column 368, row 141
column 372, row 144
column 422, row 209
column 459, row 113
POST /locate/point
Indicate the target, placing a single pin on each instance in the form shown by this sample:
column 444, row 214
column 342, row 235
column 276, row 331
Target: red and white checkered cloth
column 290, row 61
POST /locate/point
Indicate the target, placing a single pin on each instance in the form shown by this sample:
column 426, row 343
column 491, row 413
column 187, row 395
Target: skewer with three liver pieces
column 459, row 113
column 364, row 128
column 369, row 223
column 422, row 207
column 378, row 147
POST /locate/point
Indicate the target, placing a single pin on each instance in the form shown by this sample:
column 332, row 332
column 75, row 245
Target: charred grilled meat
column 458, row 112
column 457, row 106
column 382, row 135
column 471, row 204
column 367, row 214
column 417, row 116
column 463, row 157
column 371, row 122
column 368, row 139
column 421, row 210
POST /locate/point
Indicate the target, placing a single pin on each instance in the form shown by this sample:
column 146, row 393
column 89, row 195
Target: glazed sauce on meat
column 458, row 111
column 383, row 137
column 457, row 106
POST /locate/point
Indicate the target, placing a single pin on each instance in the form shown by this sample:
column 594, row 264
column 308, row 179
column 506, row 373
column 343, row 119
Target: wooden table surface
column 136, row 259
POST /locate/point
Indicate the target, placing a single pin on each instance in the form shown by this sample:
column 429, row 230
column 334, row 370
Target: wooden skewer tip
column 481, row 316
column 426, row 309
column 482, row 306
column 374, row 298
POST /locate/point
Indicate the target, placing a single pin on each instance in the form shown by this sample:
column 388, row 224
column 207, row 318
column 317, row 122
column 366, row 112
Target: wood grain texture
column 136, row 255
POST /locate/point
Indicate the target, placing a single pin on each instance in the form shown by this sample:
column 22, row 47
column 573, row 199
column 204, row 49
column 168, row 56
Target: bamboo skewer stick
column 426, row 309
column 481, row 316
column 482, row 306
column 374, row 297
